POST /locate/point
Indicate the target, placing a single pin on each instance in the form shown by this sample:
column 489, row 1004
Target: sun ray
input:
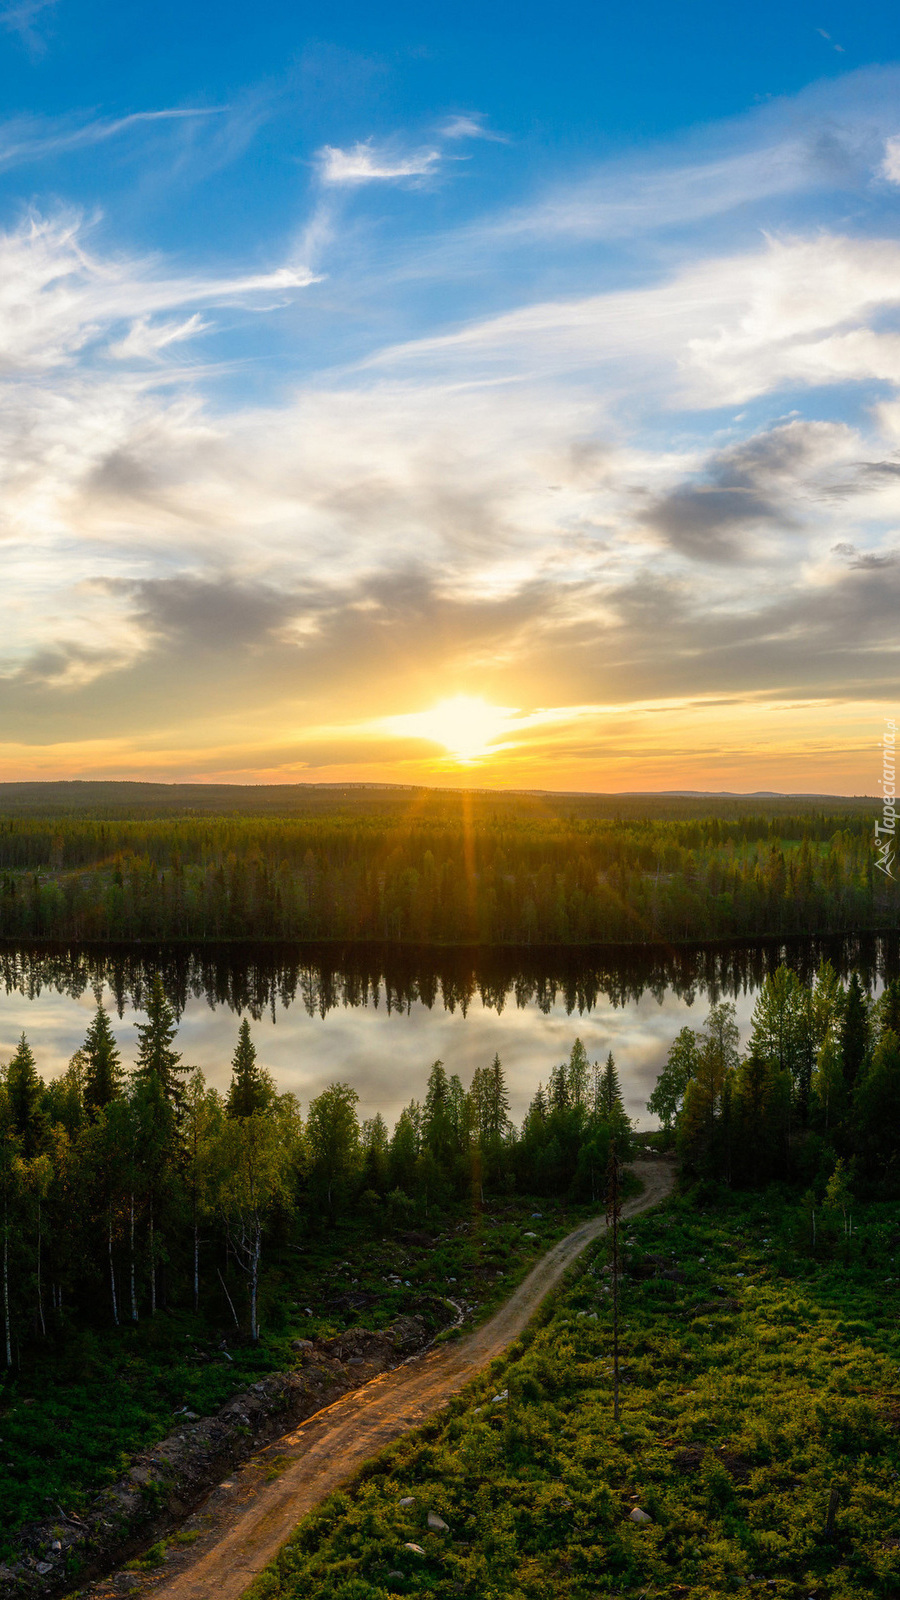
column 467, row 726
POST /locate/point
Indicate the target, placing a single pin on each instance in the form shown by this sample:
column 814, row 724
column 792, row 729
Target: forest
column 124, row 1194
column 814, row 1101
column 142, row 1205
column 757, row 1447
column 444, row 869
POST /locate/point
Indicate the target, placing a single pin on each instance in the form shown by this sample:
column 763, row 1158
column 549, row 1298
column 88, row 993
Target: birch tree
column 255, row 1166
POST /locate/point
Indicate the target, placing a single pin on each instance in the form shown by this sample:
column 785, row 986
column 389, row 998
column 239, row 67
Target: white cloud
column 719, row 332
column 366, row 162
column 25, row 139
column 890, row 166
column 57, row 298
column 469, row 126
column 20, row 16
column 145, row 341
column 542, row 474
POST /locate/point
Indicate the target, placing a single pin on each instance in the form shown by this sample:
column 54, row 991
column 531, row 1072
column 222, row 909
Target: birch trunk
column 40, row 1287
column 112, row 1274
column 134, row 1306
column 152, row 1265
column 6, row 1284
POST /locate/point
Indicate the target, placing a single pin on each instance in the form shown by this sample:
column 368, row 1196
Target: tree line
column 122, row 1192
column 815, row 1098
column 483, row 876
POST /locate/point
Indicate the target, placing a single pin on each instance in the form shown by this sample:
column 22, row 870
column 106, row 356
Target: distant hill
column 122, row 798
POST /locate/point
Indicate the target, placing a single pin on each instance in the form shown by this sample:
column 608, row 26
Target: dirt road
column 256, row 1512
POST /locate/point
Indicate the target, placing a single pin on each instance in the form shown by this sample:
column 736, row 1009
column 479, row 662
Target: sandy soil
column 248, row 1518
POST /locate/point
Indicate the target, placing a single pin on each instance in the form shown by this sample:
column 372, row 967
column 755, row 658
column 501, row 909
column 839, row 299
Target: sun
column 466, row 725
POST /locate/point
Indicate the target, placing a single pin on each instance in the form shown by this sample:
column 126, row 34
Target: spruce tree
column 251, row 1089
column 612, row 1108
column 102, row 1064
column 25, row 1089
column 497, row 1109
column 610, row 1092
column 156, row 1060
column 578, row 1074
column 854, row 1031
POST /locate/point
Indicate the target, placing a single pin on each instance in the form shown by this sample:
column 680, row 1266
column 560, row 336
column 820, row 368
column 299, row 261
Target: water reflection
column 378, row 1016
column 321, row 978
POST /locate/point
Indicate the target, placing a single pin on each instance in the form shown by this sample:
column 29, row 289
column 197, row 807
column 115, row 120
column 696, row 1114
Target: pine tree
column 854, row 1031
column 375, row 1142
column 490, row 1104
column 103, row 1073
column 156, row 1059
column 578, row 1074
column 610, row 1091
column 251, row 1088
column 612, row 1108
column 25, row 1088
column 888, row 1008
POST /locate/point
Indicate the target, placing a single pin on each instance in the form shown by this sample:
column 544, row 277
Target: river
column 377, row 1017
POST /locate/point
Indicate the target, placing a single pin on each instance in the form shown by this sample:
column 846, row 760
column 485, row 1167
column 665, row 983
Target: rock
column 637, row 1515
column 43, row 1567
column 192, row 1416
column 436, row 1524
column 408, row 1500
column 528, row 1234
column 497, row 1399
column 393, row 1576
column 56, row 1545
column 415, row 1548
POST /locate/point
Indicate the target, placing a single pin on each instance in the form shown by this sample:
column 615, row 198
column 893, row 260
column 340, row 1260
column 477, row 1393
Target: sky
column 498, row 395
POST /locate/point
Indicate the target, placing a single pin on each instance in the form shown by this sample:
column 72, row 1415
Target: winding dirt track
column 322, row 1452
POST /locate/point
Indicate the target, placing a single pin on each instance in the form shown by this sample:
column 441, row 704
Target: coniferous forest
column 122, row 1192
column 164, row 1245
column 432, row 868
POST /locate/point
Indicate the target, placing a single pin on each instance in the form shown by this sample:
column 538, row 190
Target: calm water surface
column 377, row 1018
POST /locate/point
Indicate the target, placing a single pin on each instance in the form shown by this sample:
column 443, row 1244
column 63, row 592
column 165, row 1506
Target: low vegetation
column 82, row 1401
column 758, row 1447
column 759, row 1432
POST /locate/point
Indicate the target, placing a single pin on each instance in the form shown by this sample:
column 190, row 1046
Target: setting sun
column 465, row 725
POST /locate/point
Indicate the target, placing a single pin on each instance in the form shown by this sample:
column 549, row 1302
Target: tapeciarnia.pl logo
column 885, row 829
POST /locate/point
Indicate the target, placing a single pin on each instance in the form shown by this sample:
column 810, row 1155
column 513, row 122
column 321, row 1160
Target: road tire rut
column 257, row 1510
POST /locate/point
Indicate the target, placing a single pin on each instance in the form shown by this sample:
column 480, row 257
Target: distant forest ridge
column 125, row 798
column 438, row 867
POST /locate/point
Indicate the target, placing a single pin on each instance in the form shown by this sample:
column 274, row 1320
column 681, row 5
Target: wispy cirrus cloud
column 147, row 341
column 28, row 139
column 587, row 505
column 470, row 125
column 59, row 299
column 23, row 17
column 367, row 162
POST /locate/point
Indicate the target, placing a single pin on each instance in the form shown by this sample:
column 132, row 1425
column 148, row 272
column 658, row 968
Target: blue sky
column 354, row 360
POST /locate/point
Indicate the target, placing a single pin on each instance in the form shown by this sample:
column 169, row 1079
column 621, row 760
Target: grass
column 84, row 1403
column 761, row 1386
